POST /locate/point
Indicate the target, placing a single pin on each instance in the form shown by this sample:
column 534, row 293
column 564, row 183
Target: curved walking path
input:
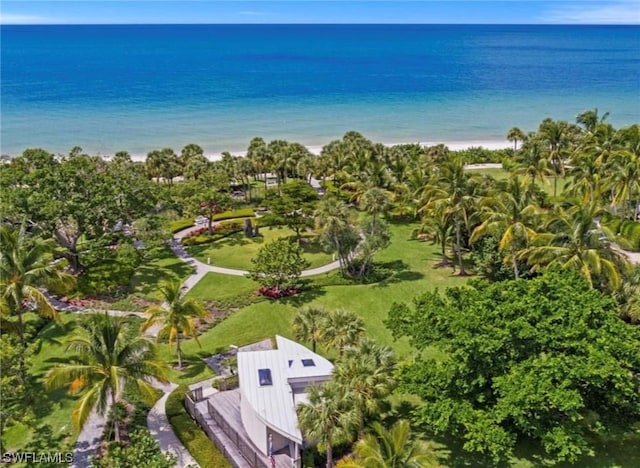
column 203, row 268
column 157, row 421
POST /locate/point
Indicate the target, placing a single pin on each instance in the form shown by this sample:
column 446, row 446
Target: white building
column 272, row 384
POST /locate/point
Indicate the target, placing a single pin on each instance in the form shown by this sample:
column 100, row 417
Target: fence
column 253, row 458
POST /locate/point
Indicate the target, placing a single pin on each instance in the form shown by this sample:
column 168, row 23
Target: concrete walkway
column 161, row 429
column 202, row 268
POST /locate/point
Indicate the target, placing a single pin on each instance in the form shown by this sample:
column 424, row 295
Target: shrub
column 231, row 214
column 180, row 224
column 227, row 383
column 143, row 451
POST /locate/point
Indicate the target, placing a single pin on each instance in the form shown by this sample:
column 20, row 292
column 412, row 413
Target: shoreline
column 316, row 149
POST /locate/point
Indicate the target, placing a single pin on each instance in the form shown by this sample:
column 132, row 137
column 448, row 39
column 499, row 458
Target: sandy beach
column 316, row 149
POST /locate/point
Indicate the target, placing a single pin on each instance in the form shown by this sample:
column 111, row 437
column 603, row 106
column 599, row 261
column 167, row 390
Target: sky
column 313, row 11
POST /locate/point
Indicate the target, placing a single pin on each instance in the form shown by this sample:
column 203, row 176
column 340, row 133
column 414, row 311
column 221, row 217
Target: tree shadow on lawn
column 399, row 272
column 195, row 364
column 309, row 294
column 146, row 278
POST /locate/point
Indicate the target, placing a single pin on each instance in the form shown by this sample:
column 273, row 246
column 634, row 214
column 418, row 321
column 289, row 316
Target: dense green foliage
column 546, row 359
column 143, row 451
column 278, row 265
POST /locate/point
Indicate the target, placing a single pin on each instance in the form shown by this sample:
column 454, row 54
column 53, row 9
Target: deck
column 219, row 414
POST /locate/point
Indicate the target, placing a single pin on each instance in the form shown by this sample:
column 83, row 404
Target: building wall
column 255, row 428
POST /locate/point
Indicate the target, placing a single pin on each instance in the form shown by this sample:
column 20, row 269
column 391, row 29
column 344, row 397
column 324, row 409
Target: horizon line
column 319, row 24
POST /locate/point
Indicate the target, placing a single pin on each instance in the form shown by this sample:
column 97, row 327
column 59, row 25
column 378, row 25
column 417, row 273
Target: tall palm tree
column 342, row 328
column 453, row 190
column 509, row 212
column 590, row 119
column 575, row 240
column 531, row 161
column 108, row 360
column 391, row 448
column 308, row 323
column 328, row 419
column 557, row 136
column 25, row 267
column 515, row 134
column 366, row 370
column 437, row 223
column 332, row 218
column 624, row 179
column 375, row 201
column 176, row 316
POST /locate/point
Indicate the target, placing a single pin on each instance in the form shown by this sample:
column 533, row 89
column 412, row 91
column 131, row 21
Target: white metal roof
column 275, row 404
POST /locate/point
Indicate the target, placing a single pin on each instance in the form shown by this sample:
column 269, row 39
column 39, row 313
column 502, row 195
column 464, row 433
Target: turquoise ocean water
column 138, row 88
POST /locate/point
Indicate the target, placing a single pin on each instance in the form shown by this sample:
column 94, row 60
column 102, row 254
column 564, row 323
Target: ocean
column 138, row 88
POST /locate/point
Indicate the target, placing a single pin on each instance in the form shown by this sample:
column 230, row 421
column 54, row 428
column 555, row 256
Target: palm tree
column 624, row 179
column 515, row 135
column 557, row 136
column 176, row 316
column 452, row 190
column 575, row 240
column 375, row 201
column 391, row 448
column 24, row 268
column 532, row 162
column 341, row 329
column 332, row 218
column 366, row 370
column 308, row 323
column 108, row 360
column 328, row 419
column 510, row 213
column 437, row 223
column 590, row 119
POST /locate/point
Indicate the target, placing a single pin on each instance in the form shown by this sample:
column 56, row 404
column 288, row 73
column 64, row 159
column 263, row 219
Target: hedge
column 180, row 224
column 190, row 434
column 230, row 214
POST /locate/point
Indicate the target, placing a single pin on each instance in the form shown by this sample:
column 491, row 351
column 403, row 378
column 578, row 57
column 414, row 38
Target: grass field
column 236, row 251
column 410, row 261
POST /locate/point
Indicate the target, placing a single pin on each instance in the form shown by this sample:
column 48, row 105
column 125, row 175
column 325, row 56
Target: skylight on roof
column 264, row 377
column 308, row 363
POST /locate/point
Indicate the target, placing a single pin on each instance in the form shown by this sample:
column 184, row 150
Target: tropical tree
column 624, row 180
column 333, row 220
column 175, row 317
column 509, row 213
column 376, row 202
column 575, row 239
column 515, row 134
column 391, row 448
column 557, row 135
column 341, row 329
column 308, row 324
column 453, row 190
column 437, row 224
column 328, row 419
column 590, row 119
column 537, row 359
column 108, row 360
column 367, row 372
column 531, row 161
column 25, row 267
column 278, row 265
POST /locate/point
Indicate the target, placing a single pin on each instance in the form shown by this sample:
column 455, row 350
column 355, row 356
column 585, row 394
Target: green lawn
column 161, row 265
column 236, row 251
column 411, row 261
column 51, row 428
